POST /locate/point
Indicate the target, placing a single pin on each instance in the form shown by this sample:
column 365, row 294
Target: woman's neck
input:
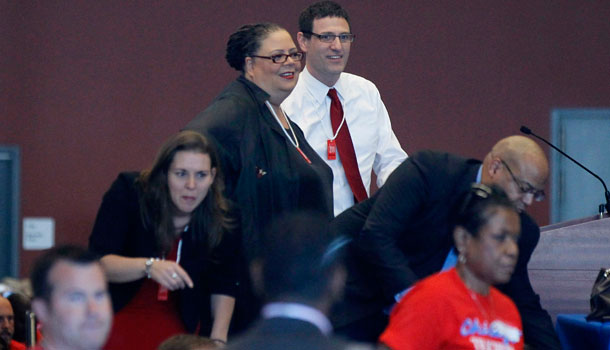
column 180, row 223
column 276, row 97
column 280, row 114
column 471, row 280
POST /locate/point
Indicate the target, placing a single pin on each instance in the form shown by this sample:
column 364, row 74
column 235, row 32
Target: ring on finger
column 174, row 275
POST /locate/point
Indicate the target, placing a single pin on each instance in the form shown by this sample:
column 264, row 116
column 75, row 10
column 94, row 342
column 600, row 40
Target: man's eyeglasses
column 525, row 187
column 282, row 57
column 329, row 38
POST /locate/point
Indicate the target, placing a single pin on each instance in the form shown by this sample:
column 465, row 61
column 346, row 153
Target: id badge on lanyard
column 331, row 149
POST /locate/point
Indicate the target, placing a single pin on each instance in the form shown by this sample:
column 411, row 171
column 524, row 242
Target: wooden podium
column 566, row 262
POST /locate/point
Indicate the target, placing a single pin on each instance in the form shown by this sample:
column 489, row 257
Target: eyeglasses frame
column 524, row 186
column 349, row 37
column 275, row 57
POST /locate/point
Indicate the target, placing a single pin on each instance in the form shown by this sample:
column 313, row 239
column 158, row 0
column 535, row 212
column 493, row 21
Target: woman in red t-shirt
column 459, row 308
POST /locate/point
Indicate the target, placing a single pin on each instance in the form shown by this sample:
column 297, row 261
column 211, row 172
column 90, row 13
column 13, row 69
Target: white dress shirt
column 299, row 312
column 375, row 144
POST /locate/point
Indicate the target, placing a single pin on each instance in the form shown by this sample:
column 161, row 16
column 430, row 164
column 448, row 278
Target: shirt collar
column 317, row 89
column 299, row 312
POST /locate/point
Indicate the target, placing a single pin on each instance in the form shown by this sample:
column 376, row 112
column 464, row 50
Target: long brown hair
column 209, row 220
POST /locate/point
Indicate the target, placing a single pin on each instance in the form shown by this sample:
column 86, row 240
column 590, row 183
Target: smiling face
column 326, row 61
column 492, row 255
column 189, row 178
column 276, row 79
column 79, row 312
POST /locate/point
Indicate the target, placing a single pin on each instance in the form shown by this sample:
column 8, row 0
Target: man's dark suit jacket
column 280, row 333
column 407, row 236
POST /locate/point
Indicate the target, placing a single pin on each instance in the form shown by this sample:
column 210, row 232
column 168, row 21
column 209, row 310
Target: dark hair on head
column 319, row 10
column 210, row 219
column 39, row 276
column 298, row 257
column 187, row 342
column 21, row 304
column 246, row 41
column 474, row 209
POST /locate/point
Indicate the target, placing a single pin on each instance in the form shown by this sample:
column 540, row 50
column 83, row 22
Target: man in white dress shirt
column 325, row 36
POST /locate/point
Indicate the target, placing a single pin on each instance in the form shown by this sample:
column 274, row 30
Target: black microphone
column 527, row 131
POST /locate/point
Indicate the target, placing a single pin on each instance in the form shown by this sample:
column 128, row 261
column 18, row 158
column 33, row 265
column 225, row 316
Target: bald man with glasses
column 403, row 233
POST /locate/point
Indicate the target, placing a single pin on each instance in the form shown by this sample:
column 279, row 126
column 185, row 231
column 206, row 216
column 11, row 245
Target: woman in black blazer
column 167, row 247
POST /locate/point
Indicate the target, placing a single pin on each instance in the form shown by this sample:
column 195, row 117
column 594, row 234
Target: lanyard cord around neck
column 295, row 143
column 179, row 252
column 342, row 119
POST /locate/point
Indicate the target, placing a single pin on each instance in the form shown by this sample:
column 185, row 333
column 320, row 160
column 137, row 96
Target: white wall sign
column 38, row 233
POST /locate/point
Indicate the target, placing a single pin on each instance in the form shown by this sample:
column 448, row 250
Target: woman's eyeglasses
column 477, row 192
column 282, row 57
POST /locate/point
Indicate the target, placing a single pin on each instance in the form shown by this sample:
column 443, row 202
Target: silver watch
column 148, row 266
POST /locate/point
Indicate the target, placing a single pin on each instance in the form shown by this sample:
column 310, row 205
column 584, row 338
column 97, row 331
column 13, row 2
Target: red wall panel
column 89, row 89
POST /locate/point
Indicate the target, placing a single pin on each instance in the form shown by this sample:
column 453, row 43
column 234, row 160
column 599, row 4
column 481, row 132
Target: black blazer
column 264, row 173
column 407, row 235
column 119, row 230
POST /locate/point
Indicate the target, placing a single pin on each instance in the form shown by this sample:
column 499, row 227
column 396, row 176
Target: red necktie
column 346, row 148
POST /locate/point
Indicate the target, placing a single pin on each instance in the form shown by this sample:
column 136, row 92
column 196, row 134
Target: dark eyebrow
column 332, row 33
column 282, row 52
